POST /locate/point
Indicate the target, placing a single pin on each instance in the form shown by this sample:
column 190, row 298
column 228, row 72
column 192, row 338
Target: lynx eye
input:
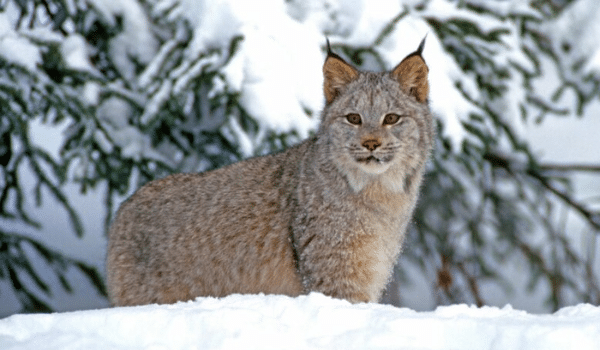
column 353, row 119
column 391, row 119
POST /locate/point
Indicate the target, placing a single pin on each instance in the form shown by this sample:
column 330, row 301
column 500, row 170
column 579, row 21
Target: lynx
column 328, row 215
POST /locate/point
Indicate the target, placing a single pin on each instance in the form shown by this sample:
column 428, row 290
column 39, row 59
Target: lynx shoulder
column 327, row 215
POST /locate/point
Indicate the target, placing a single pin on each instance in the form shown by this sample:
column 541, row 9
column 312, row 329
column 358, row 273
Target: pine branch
column 15, row 260
column 389, row 28
column 473, row 284
column 497, row 160
column 570, row 167
column 593, row 218
column 538, row 262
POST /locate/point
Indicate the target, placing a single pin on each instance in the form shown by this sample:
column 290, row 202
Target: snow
column 216, row 23
column 136, row 42
column 271, row 65
column 156, row 102
column 153, row 68
column 74, row 53
column 445, row 10
column 17, row 49
column 276, row 68
column 578, row 22
column 334, row 17
column 90, row 93
column 312, row 321
column 114, row 114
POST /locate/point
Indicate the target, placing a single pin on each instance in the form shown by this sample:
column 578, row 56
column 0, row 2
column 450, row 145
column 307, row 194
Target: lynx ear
column 337, row 73
column 411, row 73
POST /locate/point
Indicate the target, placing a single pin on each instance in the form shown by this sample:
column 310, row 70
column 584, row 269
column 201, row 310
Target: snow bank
column 307, row 322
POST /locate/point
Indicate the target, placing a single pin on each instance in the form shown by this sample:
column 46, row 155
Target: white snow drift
column 306, row 322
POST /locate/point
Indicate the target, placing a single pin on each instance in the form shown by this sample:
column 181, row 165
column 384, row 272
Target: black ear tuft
column 421, row 46
column 332, row 54
column 329, row 52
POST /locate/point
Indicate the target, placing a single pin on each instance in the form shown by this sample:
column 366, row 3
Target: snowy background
column 282, row 47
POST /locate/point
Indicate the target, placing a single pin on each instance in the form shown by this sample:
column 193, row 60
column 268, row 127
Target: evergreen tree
column 144, row 91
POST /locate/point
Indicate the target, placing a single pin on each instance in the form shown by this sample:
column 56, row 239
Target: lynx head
column 377, row 123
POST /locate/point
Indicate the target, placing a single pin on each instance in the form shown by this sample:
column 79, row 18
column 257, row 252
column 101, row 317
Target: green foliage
column 492, row 201
column 169, row 118
column 16, row 263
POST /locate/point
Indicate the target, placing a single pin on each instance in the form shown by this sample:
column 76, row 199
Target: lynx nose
column 371, row 144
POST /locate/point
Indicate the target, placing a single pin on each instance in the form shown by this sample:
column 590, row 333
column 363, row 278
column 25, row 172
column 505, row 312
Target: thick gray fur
column 327, row 215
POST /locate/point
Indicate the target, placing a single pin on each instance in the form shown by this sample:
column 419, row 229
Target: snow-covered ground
column 307, row 322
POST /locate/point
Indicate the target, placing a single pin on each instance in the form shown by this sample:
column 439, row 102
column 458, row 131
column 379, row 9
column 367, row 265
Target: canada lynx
column 327, row 215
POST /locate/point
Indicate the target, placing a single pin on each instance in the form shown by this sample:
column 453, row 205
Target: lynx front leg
column 340, row 266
